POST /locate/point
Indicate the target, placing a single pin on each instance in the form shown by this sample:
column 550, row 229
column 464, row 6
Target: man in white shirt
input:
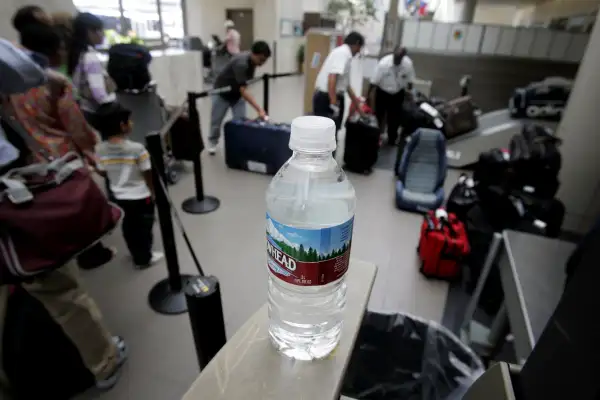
column 393, row 76
column 333, row 80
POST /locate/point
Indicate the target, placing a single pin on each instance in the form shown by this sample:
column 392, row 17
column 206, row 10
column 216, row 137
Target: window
column 157, row 23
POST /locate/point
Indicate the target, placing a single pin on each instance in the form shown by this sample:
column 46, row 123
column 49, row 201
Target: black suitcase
column 362, row 144
column 257, row 146
column 39, row 360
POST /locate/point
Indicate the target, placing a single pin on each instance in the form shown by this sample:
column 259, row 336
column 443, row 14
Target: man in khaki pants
column 61, row 291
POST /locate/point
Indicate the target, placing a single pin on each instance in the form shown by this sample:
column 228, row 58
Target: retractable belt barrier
column 199, row 294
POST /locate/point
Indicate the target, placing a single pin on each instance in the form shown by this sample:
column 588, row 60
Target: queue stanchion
column 266, row 78
column 167, row 296
column 200, row 203
column 203, row 295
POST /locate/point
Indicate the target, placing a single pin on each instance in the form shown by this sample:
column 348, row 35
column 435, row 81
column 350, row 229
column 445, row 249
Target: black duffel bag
column 462, row 198
column 128, row 66
column 536, row 160
column 493, row 168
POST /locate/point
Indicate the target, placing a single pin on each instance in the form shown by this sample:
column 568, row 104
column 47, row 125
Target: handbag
column 49, row 213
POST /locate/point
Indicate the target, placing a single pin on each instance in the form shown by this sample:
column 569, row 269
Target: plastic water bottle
column 310, row 215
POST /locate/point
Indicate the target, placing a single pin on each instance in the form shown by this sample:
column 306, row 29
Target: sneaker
column 156, row 257
column 122, row 353
column 212, row 150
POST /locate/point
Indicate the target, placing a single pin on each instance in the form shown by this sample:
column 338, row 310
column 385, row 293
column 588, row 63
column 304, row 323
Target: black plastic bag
column 398, row 356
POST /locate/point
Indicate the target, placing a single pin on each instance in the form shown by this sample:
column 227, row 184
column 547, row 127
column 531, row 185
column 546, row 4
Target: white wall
column 8, row 8
column 287, row 47
column 314, row 5
column 495, row 14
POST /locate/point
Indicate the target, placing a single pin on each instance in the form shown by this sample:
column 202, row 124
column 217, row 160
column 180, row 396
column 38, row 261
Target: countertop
column 532, row 270
column 250, row 368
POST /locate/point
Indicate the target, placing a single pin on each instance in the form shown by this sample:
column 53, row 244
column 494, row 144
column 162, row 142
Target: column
column 467, row 11
column 580, row 131
column 391, row 24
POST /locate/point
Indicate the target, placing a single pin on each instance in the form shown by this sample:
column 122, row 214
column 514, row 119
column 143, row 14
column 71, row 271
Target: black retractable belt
column 200, row 295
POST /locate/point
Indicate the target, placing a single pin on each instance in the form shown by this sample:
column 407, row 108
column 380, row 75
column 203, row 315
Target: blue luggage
column 257, row 146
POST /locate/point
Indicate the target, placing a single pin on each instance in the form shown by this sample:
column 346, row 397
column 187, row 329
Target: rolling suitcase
column 257, row 146
column 459, row 116
column 443, row 246
column 362, row 144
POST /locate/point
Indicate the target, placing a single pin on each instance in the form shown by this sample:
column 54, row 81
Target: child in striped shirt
column 127, row 167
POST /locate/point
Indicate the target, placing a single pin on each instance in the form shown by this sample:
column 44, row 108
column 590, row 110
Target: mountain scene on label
column 301, row 252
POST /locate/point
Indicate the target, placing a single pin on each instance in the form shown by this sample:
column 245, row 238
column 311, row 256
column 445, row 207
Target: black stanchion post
column 200, row 203
column 266, row 78
column 166, row 297
column 203, row 295
column 275, row 56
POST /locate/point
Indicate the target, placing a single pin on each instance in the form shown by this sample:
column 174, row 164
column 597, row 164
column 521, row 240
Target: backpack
column 536, row 160
column 128, row 66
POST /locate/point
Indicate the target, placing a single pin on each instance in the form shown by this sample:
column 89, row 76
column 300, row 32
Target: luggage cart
column 148, row 114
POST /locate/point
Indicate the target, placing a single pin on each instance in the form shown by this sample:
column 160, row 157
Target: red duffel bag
column 49, row 213
column 442, row 246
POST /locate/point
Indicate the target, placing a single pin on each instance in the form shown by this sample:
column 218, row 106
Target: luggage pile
column 454, row 118
column 511, row 189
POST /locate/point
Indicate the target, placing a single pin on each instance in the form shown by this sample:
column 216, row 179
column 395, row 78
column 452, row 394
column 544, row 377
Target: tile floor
column 162, row 363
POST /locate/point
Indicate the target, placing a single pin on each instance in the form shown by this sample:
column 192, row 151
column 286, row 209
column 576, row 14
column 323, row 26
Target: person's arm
column 337, row 68
column 252, row 101
column 410, row 75
column 355, row 100
column 240, row 71
column 332, row 88
column 145, row 165
column 74, row 123
column 94, row 72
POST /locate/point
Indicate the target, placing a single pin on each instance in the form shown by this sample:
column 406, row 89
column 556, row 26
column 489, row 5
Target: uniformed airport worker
column 333, row 80
column 393, row 77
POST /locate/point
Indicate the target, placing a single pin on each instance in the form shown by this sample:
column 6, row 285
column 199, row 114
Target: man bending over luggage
column 333, row 80
column 236, row 74
column 394, row 75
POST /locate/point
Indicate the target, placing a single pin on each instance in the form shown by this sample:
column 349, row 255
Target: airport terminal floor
column 230, row 244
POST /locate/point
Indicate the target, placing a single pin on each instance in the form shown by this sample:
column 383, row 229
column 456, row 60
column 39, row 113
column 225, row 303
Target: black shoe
column 96, row 256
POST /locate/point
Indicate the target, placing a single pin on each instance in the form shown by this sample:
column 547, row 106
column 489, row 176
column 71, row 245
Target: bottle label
column 308, row 257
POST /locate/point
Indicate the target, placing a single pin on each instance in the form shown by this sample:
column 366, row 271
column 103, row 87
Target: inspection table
column 248, row 367
column 532, row 272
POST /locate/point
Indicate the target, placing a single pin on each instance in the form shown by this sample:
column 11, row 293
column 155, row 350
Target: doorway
column 243, row 19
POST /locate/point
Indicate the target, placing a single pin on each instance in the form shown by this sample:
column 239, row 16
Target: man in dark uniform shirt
column 236, row 74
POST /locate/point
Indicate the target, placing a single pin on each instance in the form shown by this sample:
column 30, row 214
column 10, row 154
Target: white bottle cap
column 312, row 133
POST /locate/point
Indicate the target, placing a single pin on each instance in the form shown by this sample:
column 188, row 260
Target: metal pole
column 199, row 204
column 274, row 56
column 266, row 79
column 203, row 295
column 166, row 297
